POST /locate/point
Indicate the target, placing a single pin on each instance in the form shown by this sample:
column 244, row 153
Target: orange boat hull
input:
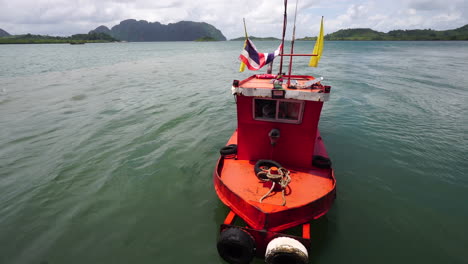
column 309, row 195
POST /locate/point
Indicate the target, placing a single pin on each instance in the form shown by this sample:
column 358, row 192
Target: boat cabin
column 278, row 124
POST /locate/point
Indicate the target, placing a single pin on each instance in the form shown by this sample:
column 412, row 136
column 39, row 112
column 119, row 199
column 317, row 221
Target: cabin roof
column 260, row 87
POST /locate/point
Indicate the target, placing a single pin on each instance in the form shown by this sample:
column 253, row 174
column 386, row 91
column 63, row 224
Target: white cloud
column 264, row 17
column 427, row 5
column 402, row 14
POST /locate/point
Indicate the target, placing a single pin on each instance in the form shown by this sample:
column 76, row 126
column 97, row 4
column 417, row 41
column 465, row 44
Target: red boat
column 274, row 172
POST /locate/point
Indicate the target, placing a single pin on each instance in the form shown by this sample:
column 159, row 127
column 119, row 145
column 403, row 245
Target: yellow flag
column 318, row 48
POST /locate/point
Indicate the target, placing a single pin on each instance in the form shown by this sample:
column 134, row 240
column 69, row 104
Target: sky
column 263, row 17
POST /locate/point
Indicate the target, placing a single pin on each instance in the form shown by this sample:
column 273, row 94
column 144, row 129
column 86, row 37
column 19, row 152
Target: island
column 254, row 38
column 132, row 30
column 396, row 35
column 204, row 39
column 41, row 39
column 129, row 30
column 135, row 31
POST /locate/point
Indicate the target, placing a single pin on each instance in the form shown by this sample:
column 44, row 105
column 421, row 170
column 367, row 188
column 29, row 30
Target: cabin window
column 286, row 111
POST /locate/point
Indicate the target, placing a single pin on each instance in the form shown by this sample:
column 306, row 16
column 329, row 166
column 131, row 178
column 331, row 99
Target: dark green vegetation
column 254, row 38
column 74, row 39
column 3, row 33
column 307, row 38
column 416, row 34
column 133, row 30
column 205, row 39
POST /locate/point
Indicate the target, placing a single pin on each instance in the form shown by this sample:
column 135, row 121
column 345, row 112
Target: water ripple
column 104, row 157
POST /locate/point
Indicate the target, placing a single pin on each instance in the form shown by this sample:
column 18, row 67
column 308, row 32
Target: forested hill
column 3, row 33
column 254, row 38
column 416, row 34
column 41, row 39
column 133, row 30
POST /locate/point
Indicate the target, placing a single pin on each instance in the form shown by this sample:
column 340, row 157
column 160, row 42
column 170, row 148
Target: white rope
column 282, row 178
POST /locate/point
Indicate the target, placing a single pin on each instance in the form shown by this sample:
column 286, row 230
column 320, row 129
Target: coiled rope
column 281, row 177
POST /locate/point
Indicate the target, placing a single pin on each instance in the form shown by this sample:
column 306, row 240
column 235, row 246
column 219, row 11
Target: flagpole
column 242, row 65
column 292, row 47
column 284, row 33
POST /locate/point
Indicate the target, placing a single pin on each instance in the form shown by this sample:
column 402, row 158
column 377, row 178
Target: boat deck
column 305, row 187
column 254, row 82
column 307, row 184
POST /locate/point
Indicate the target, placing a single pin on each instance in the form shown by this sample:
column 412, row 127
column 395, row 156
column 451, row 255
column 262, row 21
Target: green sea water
column 107, row 151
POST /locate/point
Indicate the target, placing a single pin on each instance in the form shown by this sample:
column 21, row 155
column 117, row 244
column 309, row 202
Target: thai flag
column 254, row 59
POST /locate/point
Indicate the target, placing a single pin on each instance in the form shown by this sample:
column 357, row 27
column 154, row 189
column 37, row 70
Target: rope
column 282, row 178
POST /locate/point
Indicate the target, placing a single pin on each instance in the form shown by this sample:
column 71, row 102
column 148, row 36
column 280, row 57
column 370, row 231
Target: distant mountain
column 254, row 38
column 133, row 30
column 416, row 34
column 3, row 33
column 101, row 29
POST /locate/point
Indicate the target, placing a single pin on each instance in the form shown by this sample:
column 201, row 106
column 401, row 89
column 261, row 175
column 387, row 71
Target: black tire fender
column 228, row 150
column 265, row 164
column 321, row 162
column 236, row 246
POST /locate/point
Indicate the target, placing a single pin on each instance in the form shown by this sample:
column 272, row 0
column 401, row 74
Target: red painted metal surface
column 296, row 144
column 309, row 196
column 302, row 55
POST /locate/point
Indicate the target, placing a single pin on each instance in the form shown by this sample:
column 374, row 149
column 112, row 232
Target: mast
column 284, row 33
column 292, row 46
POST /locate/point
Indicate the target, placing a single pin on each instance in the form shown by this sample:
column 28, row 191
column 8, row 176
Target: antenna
column 284, row 33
